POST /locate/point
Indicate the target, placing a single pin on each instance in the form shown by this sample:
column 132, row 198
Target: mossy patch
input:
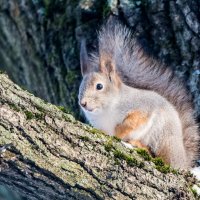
column 29, row 115
column 108, row 146
column 116, row 139
column 144, row 154
column 39, row 108
column 123, row 156
column 67, row 118
column 175, row 171
column 14, row 107
column 84, row 138
column 131, row 161
column 159, row 163
column 161, row 166
column 119, row 155
column 63, row 109
column 95, row 131
column 194, row 191
column 39, row 116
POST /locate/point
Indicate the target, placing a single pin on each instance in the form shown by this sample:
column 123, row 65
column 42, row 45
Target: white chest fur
column 105, row 121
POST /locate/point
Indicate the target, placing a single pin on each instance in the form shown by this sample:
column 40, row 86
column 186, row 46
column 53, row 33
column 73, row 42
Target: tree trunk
column 47, row 154
column 38, row 40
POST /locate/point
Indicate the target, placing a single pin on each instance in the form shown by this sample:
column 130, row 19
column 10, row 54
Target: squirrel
column 128, row 94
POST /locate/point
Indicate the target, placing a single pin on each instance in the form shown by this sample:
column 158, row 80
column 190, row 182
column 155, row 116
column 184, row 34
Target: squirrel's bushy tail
column 139, row 70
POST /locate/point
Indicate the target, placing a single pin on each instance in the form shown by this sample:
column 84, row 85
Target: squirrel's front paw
column 127, row 145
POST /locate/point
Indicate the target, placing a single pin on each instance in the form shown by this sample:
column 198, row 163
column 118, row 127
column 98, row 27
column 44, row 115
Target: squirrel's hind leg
column 172, row 151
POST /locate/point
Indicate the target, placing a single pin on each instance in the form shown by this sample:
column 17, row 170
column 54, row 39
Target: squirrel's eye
column 99, row 86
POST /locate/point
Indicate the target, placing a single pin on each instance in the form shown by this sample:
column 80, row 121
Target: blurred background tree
column 39, row 40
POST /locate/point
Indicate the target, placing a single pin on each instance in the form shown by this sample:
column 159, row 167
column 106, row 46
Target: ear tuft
column 84, row 58
column 106, row 64
column 107, row 67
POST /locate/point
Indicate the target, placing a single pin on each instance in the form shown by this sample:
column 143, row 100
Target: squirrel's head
column 100, row 86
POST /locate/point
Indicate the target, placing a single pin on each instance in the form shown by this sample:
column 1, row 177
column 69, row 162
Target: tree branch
column 51, row 155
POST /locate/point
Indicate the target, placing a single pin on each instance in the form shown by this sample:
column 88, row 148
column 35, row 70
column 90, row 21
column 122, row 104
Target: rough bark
column 47, row 154
column 39, row 49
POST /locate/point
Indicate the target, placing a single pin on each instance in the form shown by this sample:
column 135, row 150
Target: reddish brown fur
column 130, row 123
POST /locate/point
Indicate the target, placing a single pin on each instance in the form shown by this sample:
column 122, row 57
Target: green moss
column 158, row 161
column 194, row 191
column 95, row 131
column 14, row 107
column 63, row 109
column 41, row 109
column 141, row 165
column 67, row 118
column 161, row 166
column 117, row 162
column 39, row 116
column 108, row 146
column 29, row 115
column 116, row 139
column 174, row 171
column 144, row 154
column 122, row 156
column 119, row 154
column 131, row 161
column 84, row 138
column 164, row 169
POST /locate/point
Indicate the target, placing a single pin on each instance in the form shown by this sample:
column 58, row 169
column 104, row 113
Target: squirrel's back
column 139, row 70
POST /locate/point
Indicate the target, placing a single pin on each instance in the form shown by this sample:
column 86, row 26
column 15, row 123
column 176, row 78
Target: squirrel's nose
column 83, row 103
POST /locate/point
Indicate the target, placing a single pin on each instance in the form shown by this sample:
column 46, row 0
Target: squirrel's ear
column 84, row 58
column 106, row 64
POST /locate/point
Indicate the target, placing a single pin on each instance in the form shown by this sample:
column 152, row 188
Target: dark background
column 39, row 41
